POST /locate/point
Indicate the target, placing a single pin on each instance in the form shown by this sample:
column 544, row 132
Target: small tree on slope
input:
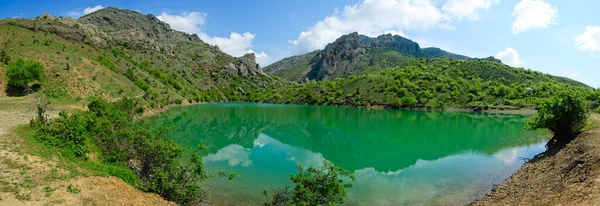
column 22, row 72
column 564, row 114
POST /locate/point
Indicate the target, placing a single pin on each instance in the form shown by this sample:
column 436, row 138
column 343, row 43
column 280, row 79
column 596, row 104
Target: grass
column 66, row 161
column 48, row 191
column 73, row 189
column 55, row 53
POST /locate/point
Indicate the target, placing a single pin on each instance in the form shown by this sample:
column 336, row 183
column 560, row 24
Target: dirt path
column 596, row 118
column 31, row 180
column 569, row 177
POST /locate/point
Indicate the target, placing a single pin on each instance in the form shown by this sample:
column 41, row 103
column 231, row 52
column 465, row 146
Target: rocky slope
column 354, row 54
column 570, row 176
column 168, row 65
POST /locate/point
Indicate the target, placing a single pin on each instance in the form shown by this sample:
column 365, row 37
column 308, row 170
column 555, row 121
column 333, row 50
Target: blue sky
column 552, row 36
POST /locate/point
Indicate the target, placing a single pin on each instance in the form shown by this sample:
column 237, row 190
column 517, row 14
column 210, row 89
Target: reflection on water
column 398, row 157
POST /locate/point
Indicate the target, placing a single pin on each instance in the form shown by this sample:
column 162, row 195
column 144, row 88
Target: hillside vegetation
column 115, row 53
column 436, row 83
column 354, row 54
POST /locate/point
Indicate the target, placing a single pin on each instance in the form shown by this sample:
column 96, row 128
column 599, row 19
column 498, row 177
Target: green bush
column 68, row 132
column 313, row 186
column 21, row 72
column 152, row 160
column 4, row 57
column 564, row 114
column 142, row 85
column 105, row 61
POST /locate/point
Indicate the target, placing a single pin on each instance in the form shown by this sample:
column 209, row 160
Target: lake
column 399, row 157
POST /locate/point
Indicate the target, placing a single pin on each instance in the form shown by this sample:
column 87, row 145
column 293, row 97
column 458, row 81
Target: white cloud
column 185, row 22
column 376, row 17
column 370, row 17
column 533, row 14
column 92, row 9
column 573, row 74
column 510, row 56
column 76, row 13
column 236, row 44
column 589, row 40
column 469, row 9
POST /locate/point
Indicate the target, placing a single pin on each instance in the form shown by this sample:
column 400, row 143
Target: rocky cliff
column 354, row 54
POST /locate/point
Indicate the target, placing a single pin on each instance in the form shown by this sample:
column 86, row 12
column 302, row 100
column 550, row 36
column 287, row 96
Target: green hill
column 436, row 83
column 354, row 54
column 117, row 53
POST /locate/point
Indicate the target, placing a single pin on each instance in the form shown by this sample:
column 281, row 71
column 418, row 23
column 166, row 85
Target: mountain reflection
column 386, row 140
column 458, row 178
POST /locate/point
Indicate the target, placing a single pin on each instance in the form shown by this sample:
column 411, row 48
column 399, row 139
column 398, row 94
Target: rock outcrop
column 353, row 54
column 244, row 66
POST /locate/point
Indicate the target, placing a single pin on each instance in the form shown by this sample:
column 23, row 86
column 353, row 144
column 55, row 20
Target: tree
column 564, row 114
column 314, row 186
column 21, row 72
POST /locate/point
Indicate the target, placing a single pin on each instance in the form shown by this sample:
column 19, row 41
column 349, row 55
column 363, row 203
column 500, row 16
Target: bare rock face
column 244, row 66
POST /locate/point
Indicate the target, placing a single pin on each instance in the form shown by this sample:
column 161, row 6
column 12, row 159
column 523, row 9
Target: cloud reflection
column 234, row 154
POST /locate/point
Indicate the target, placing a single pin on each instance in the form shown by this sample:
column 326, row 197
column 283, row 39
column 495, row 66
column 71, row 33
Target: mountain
column 136, row 51
column 354, row 54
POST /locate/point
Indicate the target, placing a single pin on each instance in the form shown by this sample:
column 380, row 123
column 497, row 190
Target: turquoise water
column 399, row 157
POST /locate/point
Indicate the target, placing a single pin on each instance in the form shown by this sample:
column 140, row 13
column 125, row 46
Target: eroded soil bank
column 27, row 179
column 570, row 176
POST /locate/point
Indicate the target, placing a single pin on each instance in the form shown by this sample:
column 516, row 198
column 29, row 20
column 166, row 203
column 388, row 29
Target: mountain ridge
column 354, row 54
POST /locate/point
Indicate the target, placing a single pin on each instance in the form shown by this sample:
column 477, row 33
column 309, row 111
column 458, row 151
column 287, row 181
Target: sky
column 552, row 36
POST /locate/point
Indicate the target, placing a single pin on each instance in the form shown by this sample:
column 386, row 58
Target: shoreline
column 521, row 111
column 565, row 176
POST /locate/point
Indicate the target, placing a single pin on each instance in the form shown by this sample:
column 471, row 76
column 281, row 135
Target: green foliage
column 66, row 132
column 105, row 61
column 4, row 57
column 73, row 189
column 313, row 186
column 152, row 159
column 142, row 85
column 434, row 83
column 564, row 114
column 24, row 71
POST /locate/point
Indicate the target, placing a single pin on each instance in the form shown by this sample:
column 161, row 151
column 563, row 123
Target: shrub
column 152, row 160
column 142, row 85
column 21, row 72
column 314, row 186
column 4, row 57
column 564, row 114
column 105, row 61
column 409, row 101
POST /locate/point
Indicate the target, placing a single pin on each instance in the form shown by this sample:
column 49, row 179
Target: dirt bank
column 26, row 179
column 570, row 176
